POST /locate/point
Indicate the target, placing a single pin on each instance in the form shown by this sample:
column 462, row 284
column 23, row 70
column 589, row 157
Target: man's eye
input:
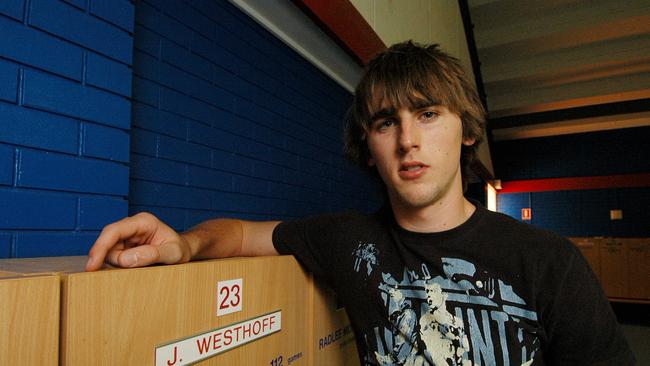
column 385, row 124
column 429, row 115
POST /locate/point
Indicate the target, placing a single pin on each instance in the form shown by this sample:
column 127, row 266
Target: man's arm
column 143, row 239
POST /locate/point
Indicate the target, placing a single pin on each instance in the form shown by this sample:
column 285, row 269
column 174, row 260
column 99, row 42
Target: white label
column 209, row 344
column 229, row 296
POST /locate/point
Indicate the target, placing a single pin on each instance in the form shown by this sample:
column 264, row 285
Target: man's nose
column 409, row 137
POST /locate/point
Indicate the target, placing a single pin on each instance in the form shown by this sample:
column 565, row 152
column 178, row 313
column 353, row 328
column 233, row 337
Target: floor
column 635, row 321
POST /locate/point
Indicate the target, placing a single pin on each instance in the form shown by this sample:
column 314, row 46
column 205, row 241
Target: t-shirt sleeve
column 581, row 327
column 312, row 240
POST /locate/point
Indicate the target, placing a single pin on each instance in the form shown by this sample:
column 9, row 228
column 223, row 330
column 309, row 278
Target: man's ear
column 469, row 141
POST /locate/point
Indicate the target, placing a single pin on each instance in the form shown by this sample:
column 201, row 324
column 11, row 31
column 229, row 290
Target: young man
column 432, row 278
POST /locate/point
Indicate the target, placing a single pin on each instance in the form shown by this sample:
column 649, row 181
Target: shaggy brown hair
column 406, row 75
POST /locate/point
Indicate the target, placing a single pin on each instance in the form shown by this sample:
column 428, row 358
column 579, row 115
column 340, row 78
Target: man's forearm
column 221, row 238
column 218, row 238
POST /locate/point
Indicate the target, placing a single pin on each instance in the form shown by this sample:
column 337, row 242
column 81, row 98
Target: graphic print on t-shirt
column 464, row 317
column 365, row 252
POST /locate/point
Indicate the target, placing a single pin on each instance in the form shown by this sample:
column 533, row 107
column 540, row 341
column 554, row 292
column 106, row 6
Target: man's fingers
column 131, row 228
column 145, row 255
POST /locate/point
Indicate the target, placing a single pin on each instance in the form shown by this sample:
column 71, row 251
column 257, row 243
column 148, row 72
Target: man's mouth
column 412, row 169
column 412, row 165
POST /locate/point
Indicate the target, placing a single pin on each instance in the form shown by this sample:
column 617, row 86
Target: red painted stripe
column 341, row 20
column 577, row 183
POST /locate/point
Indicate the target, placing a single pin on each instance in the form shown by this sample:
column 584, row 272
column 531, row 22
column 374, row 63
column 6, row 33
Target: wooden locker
column 120, row 317
column 591, row 251
column 333, row 342
column 29, row 314
column 638, row 255
column 613, row 267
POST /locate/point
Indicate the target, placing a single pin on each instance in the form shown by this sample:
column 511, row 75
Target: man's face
column 417, row 153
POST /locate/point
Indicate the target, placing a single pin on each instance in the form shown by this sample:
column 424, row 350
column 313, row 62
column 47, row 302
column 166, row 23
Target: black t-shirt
column 491, row 291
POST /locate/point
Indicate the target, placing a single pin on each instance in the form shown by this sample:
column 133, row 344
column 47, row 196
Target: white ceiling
column 539, row 56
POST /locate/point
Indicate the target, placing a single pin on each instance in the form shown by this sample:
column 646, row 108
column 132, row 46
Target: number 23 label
column 229, row 296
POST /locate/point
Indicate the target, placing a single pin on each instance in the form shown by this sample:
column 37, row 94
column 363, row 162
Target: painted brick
column 234, row 124
column 268, row 101
column 55, row 94
column 78, row 27
column 53, row 244
column 8, row 81
column 144, row 142
column 258, row 187
column 175, row 102
column 281, row 190
column 188, row 16
column 174, row 149
column 253, row 149
column 212, row 137
column 214, row 95
column 184, row 59
column 146, row 41
column 202, row 46
column 269, row 171
column 269, row 136
column 162, row 24
column 159, row 121
column 61, row 172
column 27, row 45
column 107, row 74
column 195, row 87
column 317, row 168
column 5, row 245
column 234, row 202
column 97, row 212
column 146, row 66
column 174, row 217
column 105, row 142
column 224, row 58
column 36, row 210
column 145, row 91
column 231, row 162
column 159, row 170
column 6, row 165
column 13, row 8
column 210, row 178
column 81, row 4
column 120, row 12
column 167, row 195
column 28, row 127
column 231, row 82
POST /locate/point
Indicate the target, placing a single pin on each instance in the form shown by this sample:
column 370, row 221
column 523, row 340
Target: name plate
column 199, row 347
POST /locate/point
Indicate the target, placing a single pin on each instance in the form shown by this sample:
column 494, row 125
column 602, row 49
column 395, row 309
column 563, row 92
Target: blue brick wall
column 65, row 83
column 229, row 121
column 583, row 212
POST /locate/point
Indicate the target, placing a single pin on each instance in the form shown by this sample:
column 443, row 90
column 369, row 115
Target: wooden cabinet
column 590, row 249
column 638, row 254
column 621, row 264
column 29, row 319
column 164, row 315
column 613, row 267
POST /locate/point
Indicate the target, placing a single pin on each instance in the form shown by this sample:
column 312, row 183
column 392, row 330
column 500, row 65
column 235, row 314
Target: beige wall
column 424, row 21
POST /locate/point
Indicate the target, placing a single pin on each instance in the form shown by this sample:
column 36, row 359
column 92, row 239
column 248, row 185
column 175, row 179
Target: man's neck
column 445, row 214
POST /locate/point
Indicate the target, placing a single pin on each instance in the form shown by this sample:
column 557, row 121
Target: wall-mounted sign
column 209, row 344
column 526, row 214
column 229, row 296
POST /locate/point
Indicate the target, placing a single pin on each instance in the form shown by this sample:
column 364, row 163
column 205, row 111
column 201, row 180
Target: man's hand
column 137, row 241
